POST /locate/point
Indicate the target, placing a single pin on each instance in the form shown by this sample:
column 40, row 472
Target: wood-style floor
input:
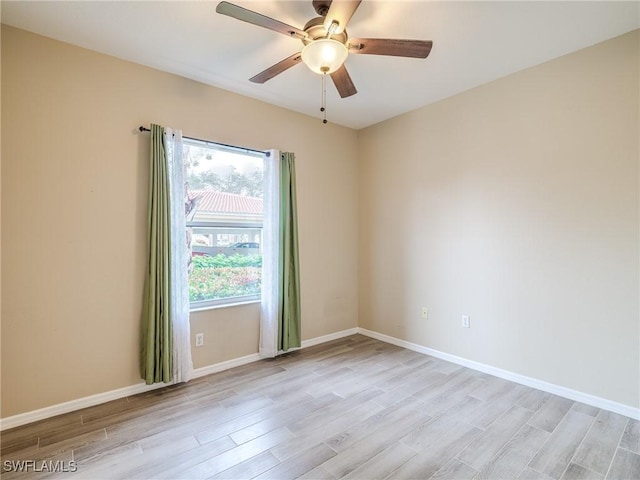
column 352, row 408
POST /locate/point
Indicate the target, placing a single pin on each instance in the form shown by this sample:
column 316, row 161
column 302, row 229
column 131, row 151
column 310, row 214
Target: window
column 224, row 224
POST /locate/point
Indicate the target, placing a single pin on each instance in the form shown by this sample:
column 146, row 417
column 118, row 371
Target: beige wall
column 515, row 203
column 0, row 206
column 74, row 215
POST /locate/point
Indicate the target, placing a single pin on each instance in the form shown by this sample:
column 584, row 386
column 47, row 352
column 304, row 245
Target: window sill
column 224, row 305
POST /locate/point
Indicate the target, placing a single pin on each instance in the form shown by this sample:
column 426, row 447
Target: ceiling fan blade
column 343, row 82
column 277, row 69
column 249, row 16
column 389, row 46
column 341, row 12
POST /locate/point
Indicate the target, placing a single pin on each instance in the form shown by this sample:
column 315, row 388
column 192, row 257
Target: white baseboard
column 80, row 403
column 84, row 402
column 226, row 365
column 97, row 399
column 327, row 338
column 565, row 392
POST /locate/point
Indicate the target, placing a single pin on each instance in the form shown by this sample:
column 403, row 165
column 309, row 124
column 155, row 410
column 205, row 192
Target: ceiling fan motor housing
column 314, row 28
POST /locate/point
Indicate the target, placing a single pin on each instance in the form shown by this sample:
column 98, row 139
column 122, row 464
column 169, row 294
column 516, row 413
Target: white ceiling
column 474, row 43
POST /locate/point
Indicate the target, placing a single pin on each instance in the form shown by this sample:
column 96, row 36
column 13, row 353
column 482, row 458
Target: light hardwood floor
column 355, row 408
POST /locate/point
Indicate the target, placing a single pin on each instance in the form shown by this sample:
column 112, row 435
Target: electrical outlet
column 199, row 339
column 466, row 322
column 425, row 313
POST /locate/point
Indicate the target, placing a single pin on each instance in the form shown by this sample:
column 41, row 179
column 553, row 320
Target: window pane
column 222, row 267
column 224, row 224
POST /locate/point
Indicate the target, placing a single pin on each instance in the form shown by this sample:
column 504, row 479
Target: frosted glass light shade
column 324, row 55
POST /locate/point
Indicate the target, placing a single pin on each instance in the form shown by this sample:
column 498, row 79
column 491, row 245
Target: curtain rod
column 233, row 147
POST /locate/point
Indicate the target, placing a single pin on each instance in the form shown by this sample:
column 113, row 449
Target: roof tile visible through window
column 222, row 202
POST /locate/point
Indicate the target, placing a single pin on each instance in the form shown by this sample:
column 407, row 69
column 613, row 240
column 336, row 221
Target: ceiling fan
column 326, row 44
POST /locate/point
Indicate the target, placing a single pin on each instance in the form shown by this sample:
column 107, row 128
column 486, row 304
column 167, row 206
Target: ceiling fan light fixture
column 324, row 55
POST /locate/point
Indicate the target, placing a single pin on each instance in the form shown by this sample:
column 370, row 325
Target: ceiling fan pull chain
column 323, row 108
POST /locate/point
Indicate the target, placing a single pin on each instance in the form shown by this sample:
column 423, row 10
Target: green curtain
column 157, row 344
column 289, row 274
